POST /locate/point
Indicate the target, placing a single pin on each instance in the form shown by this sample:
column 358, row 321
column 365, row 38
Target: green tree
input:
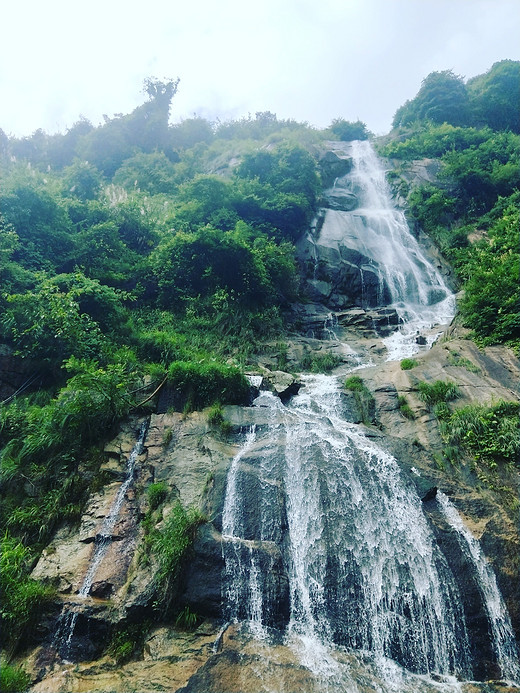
column 442, row 98
column 48, row 323
column 200, row 263
column 491, row 302
column 82, row 180
column 35, row 213
column 153, row 173
column 495, row 96
column 347, row 131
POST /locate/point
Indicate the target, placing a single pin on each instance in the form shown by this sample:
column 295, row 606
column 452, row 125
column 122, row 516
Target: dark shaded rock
column 102, row 589
column 421, row 340
column 430, row 494
column 333, row 165
column 202, row 580
column 283, row 384
column 470, row 596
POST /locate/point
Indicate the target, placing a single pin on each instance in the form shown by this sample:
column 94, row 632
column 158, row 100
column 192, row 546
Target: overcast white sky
column 310, row 60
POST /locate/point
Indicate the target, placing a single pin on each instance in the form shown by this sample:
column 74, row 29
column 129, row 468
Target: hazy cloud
column 311, row 61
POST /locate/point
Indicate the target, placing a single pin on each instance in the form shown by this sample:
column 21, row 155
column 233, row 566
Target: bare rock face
column 339, row 199
column 334, row 164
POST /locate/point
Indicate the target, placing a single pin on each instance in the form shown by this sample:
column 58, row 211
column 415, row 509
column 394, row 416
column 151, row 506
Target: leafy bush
column 216, row 418
column 13, row 679
column 437, row 392
column 169, row 547
column 355, row 384
column 489, row 432
column 405, row 408
column 491, row 301
column 207, row 382
column 157, row 493
column 408, row 364
column 347, row 131
column 324, row 363
column 23, row 598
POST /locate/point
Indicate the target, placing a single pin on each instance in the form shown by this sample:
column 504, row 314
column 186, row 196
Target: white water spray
column 379, row 231
column 503, row 640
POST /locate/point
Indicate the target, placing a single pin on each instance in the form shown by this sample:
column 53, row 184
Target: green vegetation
column 187, row 619
column 22, row 599
column 455, row 359
column 408, row 364
column 205, row 383
column 169, row 546
column 363, row 398
column 126, row 641
column 490, row 99
column 319, row 363
column 405, row 408
column 216, row 418
column 438, row 392
column 157, row 493
column 489, row 432
column 13, row 679
column 347, row 131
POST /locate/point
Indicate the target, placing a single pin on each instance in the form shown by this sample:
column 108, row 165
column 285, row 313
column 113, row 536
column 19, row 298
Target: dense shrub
column 204, row 383
column 489, row 432
column 437, row 392
column 13, row 679
column 22, row 599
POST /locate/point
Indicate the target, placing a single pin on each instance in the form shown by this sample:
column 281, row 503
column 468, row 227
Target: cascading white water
column 243, row 590
column 380, row 232
column 503, row 640
column 102, row 541
column 365, row 573
column 364, row 569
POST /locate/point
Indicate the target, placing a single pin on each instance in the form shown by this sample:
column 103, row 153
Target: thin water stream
column 102, row 541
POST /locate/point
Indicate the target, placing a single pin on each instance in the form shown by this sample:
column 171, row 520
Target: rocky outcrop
column 332, row 165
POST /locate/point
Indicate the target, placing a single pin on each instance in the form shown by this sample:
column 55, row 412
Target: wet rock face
column 334, row 165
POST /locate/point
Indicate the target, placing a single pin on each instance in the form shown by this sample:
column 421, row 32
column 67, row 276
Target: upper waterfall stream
column 378, row 233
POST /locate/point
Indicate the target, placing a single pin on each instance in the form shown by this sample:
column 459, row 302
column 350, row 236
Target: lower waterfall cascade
column 365, row 572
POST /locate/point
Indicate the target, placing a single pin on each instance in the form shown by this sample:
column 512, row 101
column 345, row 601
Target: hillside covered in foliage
column 138, row 251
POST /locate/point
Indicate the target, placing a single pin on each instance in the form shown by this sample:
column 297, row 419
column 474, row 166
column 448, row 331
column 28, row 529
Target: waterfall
column 503, row 640
column 103, row 540
column 379, row 232
column 309, row 494
column 364, row 570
